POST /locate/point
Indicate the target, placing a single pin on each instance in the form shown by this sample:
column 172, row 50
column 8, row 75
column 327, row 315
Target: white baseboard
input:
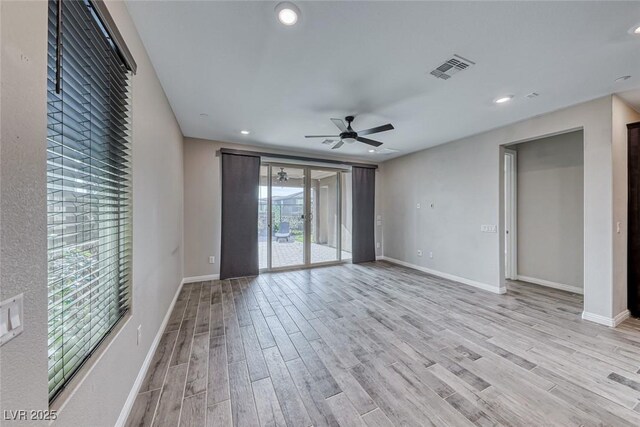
column 475, row 284
column 549, row 284
column 621, row 317
column 201, row 278
column 126, row 409
column 606, row 321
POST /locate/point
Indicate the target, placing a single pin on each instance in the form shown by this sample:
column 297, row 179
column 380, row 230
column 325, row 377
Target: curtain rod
column 294, row 157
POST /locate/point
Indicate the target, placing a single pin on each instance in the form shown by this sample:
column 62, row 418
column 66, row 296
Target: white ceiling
column 236, row 63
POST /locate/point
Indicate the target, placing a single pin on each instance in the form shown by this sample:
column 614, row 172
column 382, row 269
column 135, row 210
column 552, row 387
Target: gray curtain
column 239, row 240
column 363, row 236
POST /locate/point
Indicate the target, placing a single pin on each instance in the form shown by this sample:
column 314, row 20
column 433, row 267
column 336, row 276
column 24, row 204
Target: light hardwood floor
column 379, row 345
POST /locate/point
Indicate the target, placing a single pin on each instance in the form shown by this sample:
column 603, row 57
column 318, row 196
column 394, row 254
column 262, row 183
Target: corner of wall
column 621, row 115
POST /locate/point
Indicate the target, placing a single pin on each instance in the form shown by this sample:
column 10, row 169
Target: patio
column 291, row 253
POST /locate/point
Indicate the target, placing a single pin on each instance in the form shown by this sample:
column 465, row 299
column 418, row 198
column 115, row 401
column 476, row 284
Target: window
column 88, row 187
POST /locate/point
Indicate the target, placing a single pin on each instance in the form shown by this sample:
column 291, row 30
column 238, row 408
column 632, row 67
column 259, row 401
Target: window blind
column 88, row 187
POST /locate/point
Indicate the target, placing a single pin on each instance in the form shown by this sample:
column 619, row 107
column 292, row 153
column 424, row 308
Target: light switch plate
column 11, row 319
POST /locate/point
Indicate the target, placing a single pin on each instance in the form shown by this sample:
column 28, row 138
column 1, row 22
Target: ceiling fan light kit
column 282, row 176
column 348, row 135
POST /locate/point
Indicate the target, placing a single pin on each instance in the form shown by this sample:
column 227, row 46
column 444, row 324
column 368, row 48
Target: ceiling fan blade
column 340, row 124
column 382, row 128
column 369, row 141
column 338, row 145
column 322, row 136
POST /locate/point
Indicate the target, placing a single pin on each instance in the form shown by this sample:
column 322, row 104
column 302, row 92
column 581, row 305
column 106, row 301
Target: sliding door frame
column 308, row 214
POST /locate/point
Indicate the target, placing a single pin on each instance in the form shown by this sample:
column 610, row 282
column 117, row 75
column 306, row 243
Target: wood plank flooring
column 381, row 345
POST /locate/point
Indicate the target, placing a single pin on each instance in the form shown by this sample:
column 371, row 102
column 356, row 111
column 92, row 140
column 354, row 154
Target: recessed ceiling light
column 288, row 13
column 622, row 79
column 635, row 29
column 503, row 99
column 288, row 16
column 372, row 151
column 245, row 132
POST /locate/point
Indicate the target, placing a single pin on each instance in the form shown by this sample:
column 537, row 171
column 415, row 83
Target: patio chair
column 284, row 232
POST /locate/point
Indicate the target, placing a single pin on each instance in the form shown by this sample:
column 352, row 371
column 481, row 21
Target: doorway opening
column 304, row 216
column 544, row 212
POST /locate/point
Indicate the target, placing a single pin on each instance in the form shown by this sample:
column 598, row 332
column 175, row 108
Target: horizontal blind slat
column 88, row 190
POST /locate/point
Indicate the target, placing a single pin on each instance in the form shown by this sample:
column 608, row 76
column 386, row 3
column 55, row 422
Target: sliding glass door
column 324, row 206
column 288, row 223
column 302, row 211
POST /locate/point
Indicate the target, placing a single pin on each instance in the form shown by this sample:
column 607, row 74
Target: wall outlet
column 139, row 335
column 488, row 228
column 419, row 252
column 378, row 245
column 431, row 255
column 212, row 260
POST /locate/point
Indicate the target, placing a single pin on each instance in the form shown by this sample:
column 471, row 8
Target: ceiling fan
column 348, row 135
column 282, row 176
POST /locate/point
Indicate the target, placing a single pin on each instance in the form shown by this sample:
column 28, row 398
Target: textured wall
column 463, row 180
column 98, row 395
column 202, row 203
column 23, row 201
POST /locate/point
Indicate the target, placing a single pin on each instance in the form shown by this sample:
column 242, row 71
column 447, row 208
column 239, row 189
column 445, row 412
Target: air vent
column 451, row 66
column 532, row 95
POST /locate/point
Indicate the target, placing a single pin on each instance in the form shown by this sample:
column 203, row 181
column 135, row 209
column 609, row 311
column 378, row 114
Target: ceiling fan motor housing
column 350, row 135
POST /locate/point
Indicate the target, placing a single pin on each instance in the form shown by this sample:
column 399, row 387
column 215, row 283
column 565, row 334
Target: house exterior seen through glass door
column 302, row 214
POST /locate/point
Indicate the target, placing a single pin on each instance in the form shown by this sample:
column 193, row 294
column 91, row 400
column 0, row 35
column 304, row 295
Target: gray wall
column 550, row 207
column 460, row 181
column 202, row 203
column 464, row 181
column 98, row 398
column 23, row 200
